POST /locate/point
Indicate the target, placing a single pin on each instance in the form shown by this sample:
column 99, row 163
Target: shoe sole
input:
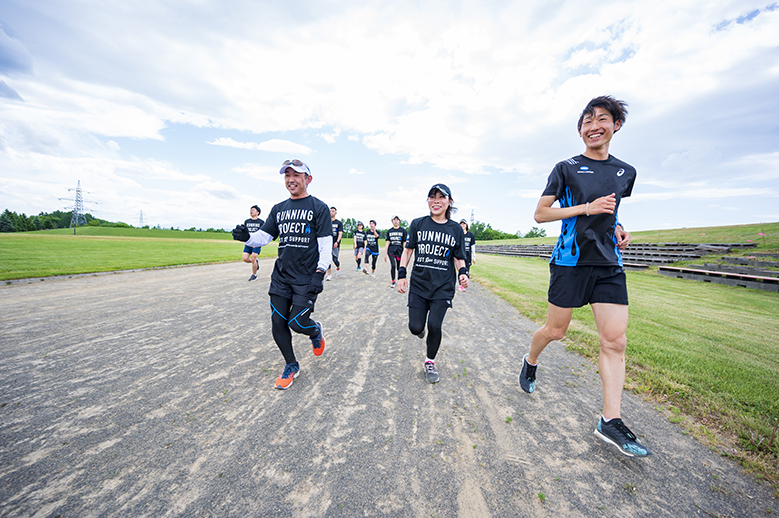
column 290, row 383
column 608, row 440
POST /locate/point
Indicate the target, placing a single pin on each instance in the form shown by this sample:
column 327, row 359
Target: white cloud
column 273, row 145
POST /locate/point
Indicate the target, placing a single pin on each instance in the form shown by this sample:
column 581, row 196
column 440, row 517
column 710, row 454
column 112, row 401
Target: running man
column 302, row 224
column 439, row 259
column 250, row 255
column 470, row 249
column 371, row 248
column 338, row 232
column 394, row 241
column 359, row 243
column 586, row 264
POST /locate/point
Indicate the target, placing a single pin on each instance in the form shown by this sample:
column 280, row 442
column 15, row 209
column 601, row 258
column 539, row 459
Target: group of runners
column 585, row 268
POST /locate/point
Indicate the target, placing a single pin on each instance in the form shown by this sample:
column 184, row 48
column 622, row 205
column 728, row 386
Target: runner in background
column 251, row 255
column 371, row 248
column 338, row 232
column 470, row 249
column 439, row 260
column 359, row 243
column 394, row 241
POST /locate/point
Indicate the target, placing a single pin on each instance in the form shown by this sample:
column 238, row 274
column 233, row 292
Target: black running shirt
column 359, row 239
column 372, row 241
column 337, row 227
column 589, row 240
column 253, row 225
column 470, row 239
column 395, row 239
column 435, row 246
column 298, row 224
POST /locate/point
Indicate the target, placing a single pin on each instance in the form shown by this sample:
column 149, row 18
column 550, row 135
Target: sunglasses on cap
column 295, row 162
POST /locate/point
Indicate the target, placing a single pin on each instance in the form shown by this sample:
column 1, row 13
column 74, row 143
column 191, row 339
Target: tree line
column 13, row 222
column 481, row 231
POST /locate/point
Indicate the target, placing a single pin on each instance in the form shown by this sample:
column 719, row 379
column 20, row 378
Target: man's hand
column 402, row 285
column 241, row 233
column 603, row 205
column 464, row 281
column 623, row 237
column 317, row 282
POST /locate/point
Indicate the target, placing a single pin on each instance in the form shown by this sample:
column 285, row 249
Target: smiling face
column 438, row 203
column 597, row 130
column 296, row 183
column 464, row 227
column 333, row 212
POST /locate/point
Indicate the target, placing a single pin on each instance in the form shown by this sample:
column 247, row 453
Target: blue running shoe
column 527, row 378
column 615, row 432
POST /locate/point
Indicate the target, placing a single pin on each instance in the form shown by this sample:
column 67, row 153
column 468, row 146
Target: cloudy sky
column 185, row 109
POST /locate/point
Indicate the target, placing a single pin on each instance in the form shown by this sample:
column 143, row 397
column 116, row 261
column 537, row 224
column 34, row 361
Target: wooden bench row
column 731, row 279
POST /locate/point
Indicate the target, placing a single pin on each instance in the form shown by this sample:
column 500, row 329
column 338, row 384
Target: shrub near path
column 151, row 393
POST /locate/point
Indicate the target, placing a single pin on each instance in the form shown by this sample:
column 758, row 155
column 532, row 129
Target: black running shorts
column 415, row 301
column 297, row 293
column 577, row 286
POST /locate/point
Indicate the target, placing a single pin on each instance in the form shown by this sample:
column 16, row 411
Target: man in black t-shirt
column 338, row 231
column 253, row 224
column 303, row 226
column 359, row 243
column 394, row 240
column 371, row 248
column 586, row 264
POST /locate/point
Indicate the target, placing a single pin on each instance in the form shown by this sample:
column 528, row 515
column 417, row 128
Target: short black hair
column 256, row 207
column 618, row 109
column 373, row 221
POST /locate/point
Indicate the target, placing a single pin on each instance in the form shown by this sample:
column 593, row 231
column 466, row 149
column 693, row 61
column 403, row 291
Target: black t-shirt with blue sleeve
column 435, row 246
column 298, row 224
column 589, row 240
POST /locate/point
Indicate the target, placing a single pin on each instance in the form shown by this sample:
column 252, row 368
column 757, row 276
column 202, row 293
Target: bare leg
column 612, row 323
column 556, row 325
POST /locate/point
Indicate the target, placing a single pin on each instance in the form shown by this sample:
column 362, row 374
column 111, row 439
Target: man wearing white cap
column 302, row 225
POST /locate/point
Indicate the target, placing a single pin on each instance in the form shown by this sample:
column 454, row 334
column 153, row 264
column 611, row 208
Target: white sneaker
column 329, row 277
column 373, row 275
column 338, row 272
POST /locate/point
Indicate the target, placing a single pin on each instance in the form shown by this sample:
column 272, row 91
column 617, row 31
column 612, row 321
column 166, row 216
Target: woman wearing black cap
column 439, row 259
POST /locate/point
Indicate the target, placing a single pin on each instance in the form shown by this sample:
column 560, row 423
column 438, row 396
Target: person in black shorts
column 253, row 224
column 439, row 260
column 303, row 226
column 371, row 248
column 338, row 231
column 586, row 263
column 394, row 241
column 359, row 243
column 470, row 250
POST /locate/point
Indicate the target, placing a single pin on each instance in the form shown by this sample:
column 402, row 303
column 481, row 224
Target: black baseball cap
column 443, row 189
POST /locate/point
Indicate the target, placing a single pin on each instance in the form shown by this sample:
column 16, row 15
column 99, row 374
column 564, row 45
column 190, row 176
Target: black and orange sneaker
column 291, row 371
column 318, row 342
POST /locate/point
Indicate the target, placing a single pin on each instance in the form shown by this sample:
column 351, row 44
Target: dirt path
column 151, row 394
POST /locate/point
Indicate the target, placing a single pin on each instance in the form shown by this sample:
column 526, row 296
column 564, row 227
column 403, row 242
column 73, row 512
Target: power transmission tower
column 79, row 216
column 140, row 222
column 471, row 216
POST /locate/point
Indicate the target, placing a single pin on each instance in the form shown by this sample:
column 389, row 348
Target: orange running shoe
column 318, row 342
column 291, row 371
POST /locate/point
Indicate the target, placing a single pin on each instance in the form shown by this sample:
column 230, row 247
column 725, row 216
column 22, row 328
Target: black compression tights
column 394, row 262
column 282, row 322
column 373, row 260
column 416, row 324
column 336, row 261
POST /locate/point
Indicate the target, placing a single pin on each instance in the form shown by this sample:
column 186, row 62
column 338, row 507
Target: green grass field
column 708, row 354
